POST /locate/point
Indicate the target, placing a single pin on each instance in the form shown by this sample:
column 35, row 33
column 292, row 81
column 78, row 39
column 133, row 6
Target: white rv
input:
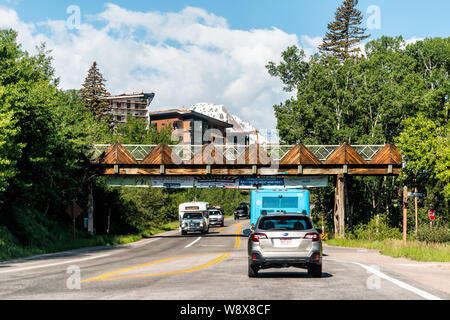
column 194, row 216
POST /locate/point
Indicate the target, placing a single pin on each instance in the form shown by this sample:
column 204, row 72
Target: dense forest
column 396, row 93
column 46, row 137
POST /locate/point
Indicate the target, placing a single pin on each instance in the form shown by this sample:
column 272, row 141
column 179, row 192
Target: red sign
column 75, row 208
column 431, row 214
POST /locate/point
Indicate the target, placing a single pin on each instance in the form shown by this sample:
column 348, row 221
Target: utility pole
column 405, row 216
column 90, row 210
column 73, row 220
column 323, row 226
column 109, row 222
column 415, row 209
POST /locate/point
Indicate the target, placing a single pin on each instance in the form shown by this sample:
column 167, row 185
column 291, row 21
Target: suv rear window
column 285, row 223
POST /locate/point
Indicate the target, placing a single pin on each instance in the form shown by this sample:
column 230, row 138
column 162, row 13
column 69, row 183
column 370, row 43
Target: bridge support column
column 339, row 206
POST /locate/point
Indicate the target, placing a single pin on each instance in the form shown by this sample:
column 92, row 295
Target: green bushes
column 436, row 234
column 415, row 250
column 377, row 229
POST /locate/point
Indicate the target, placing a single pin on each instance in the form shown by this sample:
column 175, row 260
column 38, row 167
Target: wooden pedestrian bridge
column 247, row 167
column 251, row 160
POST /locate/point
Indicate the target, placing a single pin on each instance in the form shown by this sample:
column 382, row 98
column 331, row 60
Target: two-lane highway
column 197, row 267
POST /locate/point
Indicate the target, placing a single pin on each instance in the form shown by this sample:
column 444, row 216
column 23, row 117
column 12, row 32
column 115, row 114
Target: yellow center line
column 220, row 229
column 110, row 275
column 237, row 244
column 203, row 266
column 113, row 273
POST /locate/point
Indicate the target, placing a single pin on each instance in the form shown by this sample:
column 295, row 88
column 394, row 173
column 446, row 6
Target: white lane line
column 399, row 283
column 143, row 243
column 194, row 242
column 53, row 264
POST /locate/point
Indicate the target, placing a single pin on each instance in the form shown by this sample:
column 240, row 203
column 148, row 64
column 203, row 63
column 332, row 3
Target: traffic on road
column 276, row 253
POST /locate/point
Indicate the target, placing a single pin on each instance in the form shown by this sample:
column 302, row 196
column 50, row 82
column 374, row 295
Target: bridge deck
column 260, row 160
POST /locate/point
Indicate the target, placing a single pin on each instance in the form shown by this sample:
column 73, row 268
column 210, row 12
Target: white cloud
column 184, row 57
column 310, row 45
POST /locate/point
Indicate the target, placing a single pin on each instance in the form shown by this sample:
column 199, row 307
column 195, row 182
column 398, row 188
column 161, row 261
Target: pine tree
column 344, row 33
column 94, row 93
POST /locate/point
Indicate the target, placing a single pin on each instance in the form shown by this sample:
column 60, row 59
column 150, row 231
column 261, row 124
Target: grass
column 414, row 250
column 11, row 249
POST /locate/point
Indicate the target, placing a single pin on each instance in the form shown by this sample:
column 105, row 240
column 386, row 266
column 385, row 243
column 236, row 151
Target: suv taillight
column 313, row 236
column 257, row 236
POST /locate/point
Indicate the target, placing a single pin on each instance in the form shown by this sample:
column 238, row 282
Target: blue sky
column 211, row 51
column 409, row 18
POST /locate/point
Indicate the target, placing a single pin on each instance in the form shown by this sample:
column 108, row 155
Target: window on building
column 177, row 125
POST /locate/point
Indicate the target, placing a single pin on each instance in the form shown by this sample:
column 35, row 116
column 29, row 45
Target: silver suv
column 216, row 217
column 285, row 240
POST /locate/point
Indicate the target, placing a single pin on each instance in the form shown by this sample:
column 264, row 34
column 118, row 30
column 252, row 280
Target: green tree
column 136, row 131
column 426, row 148
column 9, row 151
column 46, row 136
column 345, row 33
column 93, row 93
column 375, row 100
column 292, row 70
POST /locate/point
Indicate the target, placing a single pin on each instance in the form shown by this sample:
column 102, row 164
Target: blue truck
column 278, row 200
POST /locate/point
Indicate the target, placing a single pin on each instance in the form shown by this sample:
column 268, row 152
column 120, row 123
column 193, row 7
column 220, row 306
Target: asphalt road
column 214, row 266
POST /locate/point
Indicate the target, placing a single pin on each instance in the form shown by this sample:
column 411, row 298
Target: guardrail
column 232, row 152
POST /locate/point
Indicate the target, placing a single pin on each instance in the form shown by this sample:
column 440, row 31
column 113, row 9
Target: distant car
column 216, row 217
column 241, row 212
column 285, row 240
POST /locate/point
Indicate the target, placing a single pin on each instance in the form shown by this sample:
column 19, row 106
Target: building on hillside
column 126, row 105
column 191, row 125
column 242, row 133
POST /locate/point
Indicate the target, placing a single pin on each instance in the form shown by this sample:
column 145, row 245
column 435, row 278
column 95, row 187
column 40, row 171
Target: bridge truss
column 257, row 161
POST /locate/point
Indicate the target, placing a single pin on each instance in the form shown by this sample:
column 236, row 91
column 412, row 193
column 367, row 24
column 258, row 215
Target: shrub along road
column 214, row 266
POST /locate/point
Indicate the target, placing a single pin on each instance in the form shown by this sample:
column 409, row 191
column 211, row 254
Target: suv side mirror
column 320, row 231
column 247, row 232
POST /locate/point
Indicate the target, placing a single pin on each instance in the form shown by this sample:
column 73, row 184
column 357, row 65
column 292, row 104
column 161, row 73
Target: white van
column 193, row 217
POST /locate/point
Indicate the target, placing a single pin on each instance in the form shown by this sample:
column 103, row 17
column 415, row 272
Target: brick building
column 191, row 125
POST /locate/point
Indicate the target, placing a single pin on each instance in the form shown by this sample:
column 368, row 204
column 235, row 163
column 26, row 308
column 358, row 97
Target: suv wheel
column 183, row 233
column 315, row 271
column 252, row 271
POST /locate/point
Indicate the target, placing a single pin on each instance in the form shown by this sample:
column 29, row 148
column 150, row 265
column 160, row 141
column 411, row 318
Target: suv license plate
column 284, row 242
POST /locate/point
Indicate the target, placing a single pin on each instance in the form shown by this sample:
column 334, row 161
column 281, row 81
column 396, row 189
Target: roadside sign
column 75, row 209
column 324, row 236
column 432, row 214
column 250, row 182
column 416, row 194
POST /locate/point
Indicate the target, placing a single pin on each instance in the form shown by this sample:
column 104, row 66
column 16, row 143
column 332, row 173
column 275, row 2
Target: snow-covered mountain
column 221, row 113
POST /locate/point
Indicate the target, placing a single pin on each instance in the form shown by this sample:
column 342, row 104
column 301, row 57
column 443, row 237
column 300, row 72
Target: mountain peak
column 221, row 113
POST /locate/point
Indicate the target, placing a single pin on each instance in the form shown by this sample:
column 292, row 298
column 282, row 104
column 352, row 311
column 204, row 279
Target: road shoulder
column 435, row 275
